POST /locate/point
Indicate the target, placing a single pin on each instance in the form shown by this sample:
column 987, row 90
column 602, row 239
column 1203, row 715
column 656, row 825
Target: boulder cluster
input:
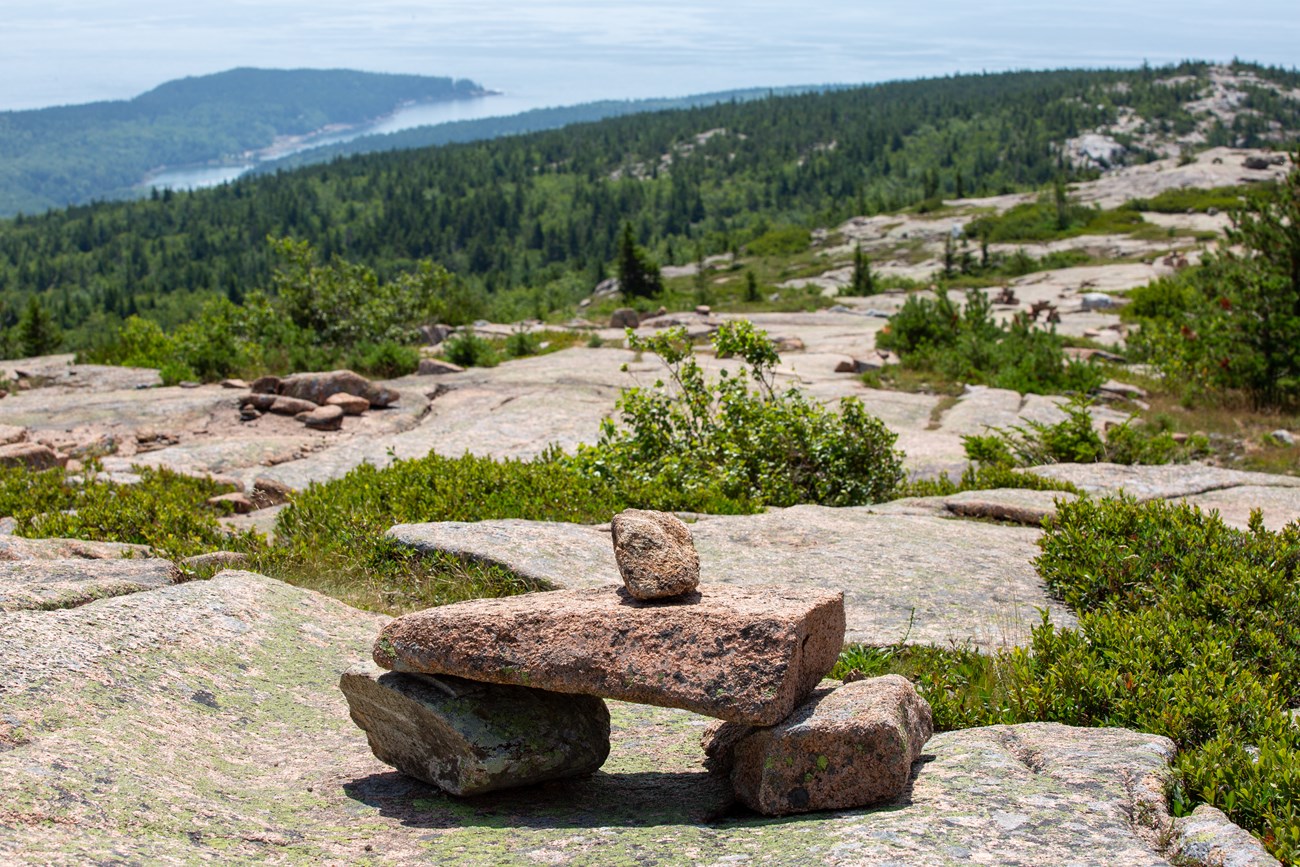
column 318, row 400
column 497, row 693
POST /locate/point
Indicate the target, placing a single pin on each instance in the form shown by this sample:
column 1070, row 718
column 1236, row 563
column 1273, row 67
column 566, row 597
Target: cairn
column 496, row 693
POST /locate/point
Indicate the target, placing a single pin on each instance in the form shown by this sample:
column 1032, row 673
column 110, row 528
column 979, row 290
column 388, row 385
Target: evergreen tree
column 1259, row 293
column 751, row 286
column 638, row 276
column 863, row 281
column 36, row 332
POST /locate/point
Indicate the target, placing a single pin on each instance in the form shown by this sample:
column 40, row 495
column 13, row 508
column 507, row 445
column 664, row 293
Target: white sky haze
column 70, row 51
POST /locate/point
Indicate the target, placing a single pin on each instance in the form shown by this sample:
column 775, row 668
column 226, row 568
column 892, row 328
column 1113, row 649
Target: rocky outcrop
column 17, row 548
column 319, row 387
column 916, row 577
column 624, row 317
column 848, row 745
column 10, row 434
column 236, row 502
column 202, row 721
column 655, row 554
column 437, row 367
column 269, row 492
column 744, row 654
column 468, row 738
column 67, row 583
column 214, row 560
column 32, row 456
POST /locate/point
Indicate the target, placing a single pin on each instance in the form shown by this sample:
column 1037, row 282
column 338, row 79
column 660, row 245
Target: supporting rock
column 846, row 746
column 744, row 654
column 468, row 738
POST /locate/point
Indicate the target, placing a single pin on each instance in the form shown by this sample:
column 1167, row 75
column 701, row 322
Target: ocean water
column 541, row 52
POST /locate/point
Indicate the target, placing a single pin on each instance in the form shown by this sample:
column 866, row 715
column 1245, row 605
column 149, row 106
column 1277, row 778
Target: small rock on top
column 655, row 554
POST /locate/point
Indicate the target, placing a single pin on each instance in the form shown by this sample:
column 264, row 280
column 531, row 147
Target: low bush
column 968, row 345
column 331, row 537
column 1164, row 298
column 384, row 360
column 982, row 477
column 728, row 446
column 164, row 510
column 1074, row 439
column 1233, row 325
column 788, row 241
column 1185, row 629
column 1180, row 201
column 315, row 317
column 1053, row 216
column 469, row 350
column 521, row 344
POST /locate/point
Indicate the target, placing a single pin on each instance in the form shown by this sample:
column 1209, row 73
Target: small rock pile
column 318, row 400
column 497, row 693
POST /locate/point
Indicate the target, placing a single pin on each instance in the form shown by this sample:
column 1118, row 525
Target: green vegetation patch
column 789, row 241
column 1075, row 439
column 1053, row 216
column 1233, row 325
column 165, row 510
column 1186, row 629
column 969, row 346
column 1188, row 199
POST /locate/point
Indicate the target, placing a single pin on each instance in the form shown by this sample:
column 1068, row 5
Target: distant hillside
column 536, row 120
column 534, row 220
column 54, row 157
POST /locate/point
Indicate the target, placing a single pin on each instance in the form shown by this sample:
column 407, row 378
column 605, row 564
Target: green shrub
column 1236, row 324
column 25, row 494
column 983, row 477
column 1186, row 629
column 521, row 344
column 729, row 446
column 1054, row 215
column 970, row 346
column 164, row 510
column 318, row 317
column 469, row 350
column 332, row 536
column 1163, row 298
column 383, row 360
column 788, row 241
column 1180, row 201
column 1074, row 439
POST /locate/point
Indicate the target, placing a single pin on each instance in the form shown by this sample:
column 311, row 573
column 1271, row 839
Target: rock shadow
column 602, row 800
column 637, row 799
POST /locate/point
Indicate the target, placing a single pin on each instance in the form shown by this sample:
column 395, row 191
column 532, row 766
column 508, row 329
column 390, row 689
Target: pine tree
column 36, row 332
column 638, row 277
column 863, row 282
column 1258, row 293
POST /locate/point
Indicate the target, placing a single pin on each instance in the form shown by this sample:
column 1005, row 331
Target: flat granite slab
column 202, row 723
column 920, row 578
column 743, row 654
column 1232, row 493
column 48, row 584
column 1160, row 482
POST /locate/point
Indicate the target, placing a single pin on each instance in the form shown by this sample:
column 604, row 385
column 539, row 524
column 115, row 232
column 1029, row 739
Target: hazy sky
column 65, row 51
